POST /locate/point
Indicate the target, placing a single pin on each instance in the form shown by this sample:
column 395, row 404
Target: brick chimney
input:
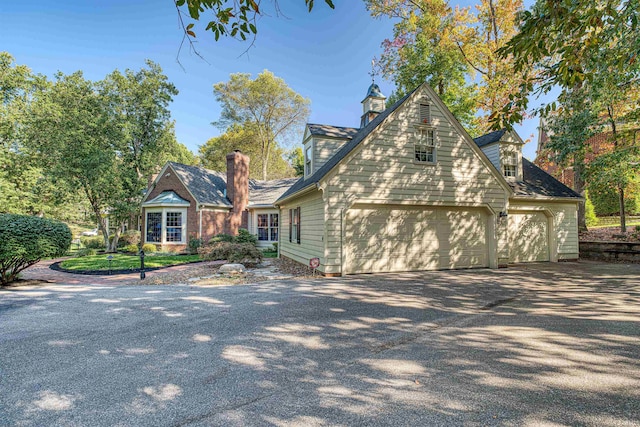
column 237, row 190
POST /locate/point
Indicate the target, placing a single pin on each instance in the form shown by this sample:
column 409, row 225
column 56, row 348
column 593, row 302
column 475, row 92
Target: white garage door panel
column 406, row 239
column 528, row 237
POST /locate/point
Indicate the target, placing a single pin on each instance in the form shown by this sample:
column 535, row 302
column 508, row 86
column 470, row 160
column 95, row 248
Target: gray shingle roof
column 333, row 131
column 537, row 182
column 489, row 138
column 208, row 187
column 267, row 192
column 302, row 183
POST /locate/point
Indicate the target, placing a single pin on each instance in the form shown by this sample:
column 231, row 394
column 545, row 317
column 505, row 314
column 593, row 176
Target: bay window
column 166, row 226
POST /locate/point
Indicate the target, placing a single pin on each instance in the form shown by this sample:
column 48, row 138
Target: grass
column 630, row 225
column 269, row 254
column 125, row 262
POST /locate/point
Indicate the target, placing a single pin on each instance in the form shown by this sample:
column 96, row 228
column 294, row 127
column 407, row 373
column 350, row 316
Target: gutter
column 308, row 189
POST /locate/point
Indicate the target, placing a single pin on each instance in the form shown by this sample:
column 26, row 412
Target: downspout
column 200, row 226
column 341, row 242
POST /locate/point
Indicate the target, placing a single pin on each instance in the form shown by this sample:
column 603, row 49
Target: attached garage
column 411, row 238
column 528, row 236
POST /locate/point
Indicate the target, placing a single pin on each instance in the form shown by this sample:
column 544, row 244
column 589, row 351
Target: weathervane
column 373, row 71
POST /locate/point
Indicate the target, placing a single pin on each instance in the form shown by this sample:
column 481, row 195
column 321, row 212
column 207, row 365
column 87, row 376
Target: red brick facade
column 208, row 221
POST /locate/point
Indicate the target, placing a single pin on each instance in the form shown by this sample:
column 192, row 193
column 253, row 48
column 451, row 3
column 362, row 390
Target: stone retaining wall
column 611, row 251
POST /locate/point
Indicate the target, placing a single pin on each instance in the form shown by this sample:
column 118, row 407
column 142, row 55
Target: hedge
column 25, row 240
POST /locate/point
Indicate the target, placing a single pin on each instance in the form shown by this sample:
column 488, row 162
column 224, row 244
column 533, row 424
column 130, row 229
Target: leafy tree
column 453, row 49
column 296, row 160
column 75, row 136
column 563, row 43
column 213, row 153
column 266, row 105
column 237, row 19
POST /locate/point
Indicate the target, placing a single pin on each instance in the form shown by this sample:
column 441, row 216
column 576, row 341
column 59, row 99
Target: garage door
column 528, row 237
column 410, row 239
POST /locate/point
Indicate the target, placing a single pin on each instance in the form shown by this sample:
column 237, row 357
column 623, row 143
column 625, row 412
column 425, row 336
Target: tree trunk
column 113, row 246
column 265, row 163
column 623, row 221
column 578, row 186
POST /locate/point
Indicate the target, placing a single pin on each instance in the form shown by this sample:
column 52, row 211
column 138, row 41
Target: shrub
column 245, row 237
column 589, row 211
column 86, row 252
column 25, row 240
column 95, row 242
column 194, row 245
column 221, row 238
column 128, row 238
column 149, row 248
column 132, row 249
column 232, row 252
column 275, row 247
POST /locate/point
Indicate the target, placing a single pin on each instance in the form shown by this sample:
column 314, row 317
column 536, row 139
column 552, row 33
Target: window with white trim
column 307, row 160
column 174, row 227
column 425, row 146
column 294, row 225
column 510, row 165
column 154, row 227
column 268, row 227
column 166, row 226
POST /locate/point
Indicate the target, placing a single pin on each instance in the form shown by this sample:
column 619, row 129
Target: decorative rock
column 232, row 269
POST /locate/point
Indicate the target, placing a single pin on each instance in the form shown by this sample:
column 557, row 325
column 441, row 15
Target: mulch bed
column 610, row 234
column 56, row 266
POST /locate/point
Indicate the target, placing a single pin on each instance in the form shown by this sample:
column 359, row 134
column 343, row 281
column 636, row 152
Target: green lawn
column 630, row 225
column 125, row 262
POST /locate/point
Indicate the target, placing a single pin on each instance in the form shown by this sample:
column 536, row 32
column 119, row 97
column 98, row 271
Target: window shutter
column 425, row 114
column 290, row 223
column 298, row 214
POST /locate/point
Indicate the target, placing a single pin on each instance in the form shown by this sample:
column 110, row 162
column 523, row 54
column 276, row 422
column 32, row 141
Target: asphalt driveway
column 542, row 344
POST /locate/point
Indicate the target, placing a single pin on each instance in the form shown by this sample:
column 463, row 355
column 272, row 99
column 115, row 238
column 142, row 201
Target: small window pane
column 262, row 220
column 174, row 226
column 263, row 234
column 274, row 234
column 154, row 227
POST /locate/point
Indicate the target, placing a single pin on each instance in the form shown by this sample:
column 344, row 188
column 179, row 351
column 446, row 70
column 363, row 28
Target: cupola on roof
column 374, row 91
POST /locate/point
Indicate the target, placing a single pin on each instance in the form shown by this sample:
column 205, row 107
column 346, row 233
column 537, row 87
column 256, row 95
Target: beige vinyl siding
column 565, row 225
column 311, row 226
column 382, row 170
column 324, row 149
column 493, row 153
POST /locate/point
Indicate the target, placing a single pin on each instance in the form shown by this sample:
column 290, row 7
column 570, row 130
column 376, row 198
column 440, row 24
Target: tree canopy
column 452, row 49
column 266, row 107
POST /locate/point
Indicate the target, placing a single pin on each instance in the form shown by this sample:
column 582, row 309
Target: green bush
column 132, row 249
column 606, row 201
column 194, row 245
column 245, row 237
column 222, row 238
column 128, row 238
column 94, row 242
column 86, row 252
column 589, row 211
column 149, row 248
column 232, row 252
column 275, row 247
column 25, row 240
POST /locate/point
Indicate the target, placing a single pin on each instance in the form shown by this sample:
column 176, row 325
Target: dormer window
column 425, row 146
column 307, row 161
column 425, row 113
column 510, row 165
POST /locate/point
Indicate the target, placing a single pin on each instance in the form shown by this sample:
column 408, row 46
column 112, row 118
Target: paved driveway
column 544, row 344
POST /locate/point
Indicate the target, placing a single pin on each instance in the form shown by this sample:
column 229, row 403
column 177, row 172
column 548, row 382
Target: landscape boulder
column 232, row 269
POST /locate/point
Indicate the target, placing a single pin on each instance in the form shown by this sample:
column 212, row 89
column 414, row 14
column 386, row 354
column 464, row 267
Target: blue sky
column 325, row 55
